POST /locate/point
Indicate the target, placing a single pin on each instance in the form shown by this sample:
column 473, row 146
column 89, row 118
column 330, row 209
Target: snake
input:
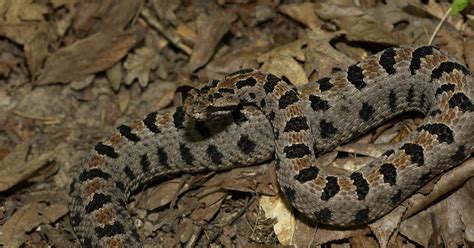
column 250, row 117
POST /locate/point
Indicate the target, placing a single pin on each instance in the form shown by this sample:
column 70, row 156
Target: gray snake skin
column 294, row 124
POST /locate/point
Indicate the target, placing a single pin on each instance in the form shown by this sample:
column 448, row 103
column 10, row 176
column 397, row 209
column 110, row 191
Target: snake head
column 210, row 102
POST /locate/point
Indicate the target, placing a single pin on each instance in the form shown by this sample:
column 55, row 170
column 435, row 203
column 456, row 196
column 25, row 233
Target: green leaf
column 458, row 6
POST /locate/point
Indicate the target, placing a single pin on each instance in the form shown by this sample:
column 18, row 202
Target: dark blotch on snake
column 178, row 118
column 325, row 84
column 415, row 152
column 392, row 100
column 214, row 154
column 185, row 154
column 448, row 67
column 417, row 55
column 324, row 215
column 331, row 188
column 387, row 60
column 105, row 150
column 461, row 101
column 355, row 76
column 318, row 104
column 246, row 145
column 162, row 157
column 272, row 81
column 128, row 171
column 296, row 124
column 389, row 173
column 366, row 112
column 126, row 132
column 442, row 132
column 150, row 122
column 93, row 173
column 307, row 174
column 287, row 99
column 248, row 82
column 444, row 88
column 97, row 202
column 362, row 186
column 327, row 129
column 296, row 151
column 110, row 230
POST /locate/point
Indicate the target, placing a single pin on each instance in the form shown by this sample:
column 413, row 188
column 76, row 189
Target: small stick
column 171, row 38
column 445, row 16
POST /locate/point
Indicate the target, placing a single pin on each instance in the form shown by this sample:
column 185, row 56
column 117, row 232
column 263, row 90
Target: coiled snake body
column 296, row 125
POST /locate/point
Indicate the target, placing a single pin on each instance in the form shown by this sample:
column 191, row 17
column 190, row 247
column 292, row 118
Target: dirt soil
column 72, row 70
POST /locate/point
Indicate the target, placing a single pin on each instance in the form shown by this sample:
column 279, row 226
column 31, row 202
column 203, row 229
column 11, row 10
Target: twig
column 174, row 39
column 445, row 16
column 47, row 120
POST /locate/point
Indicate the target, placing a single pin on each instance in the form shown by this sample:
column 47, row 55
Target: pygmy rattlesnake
column 296, row 124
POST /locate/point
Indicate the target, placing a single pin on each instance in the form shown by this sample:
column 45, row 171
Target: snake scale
column 250, row 116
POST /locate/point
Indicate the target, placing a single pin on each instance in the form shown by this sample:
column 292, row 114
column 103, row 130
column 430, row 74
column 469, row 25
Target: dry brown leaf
column 469, row 53
column 248, row 179
column 36, row 51
column 114, row 76
column 364, row 241
column 83, row 82
column 330, row 11
column 115, row 15
column 23, row 22
column 90, row 55
column 450, row 41
column 16, row 11
column 326, row 235
column 14, row 169
column 232, row 61
column 58, row 3
column 453, row 217
column 14, row 232
column 283, row 62
column 165, row 9
column 139, row 64
column 446, row 183
column 7, row 63
column 211, row 206
column 160, row 195
column 359, row 25
column 302, row 12
column 123, row 98
column 210, row 31
column 321, row 57
column 276, row 207
column 438, row 10
column 385, row 228
column 366, row 28
column 21, row 33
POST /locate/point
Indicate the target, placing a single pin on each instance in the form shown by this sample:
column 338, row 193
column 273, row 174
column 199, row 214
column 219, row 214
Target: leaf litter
column 71, row 70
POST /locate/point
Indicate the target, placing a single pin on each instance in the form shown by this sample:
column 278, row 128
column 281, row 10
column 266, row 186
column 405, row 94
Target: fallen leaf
column 14, row 169
column 283, row 61
column 114, row 15
column 14, row 232
column 321, row 57
column 114, row 76
column 302, row 12
column 215, row 26
column 90, row 55
column 277, row 208
column 36, row 50
column 469, row 53
column 139, row 64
